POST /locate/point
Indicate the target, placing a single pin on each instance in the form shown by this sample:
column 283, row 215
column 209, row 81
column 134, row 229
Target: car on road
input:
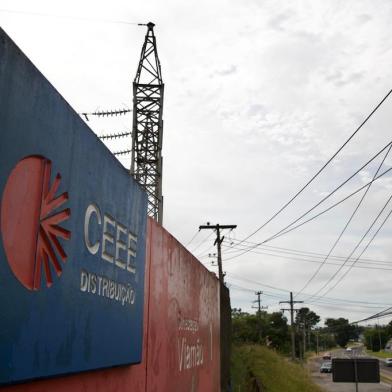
column 349, row 349
column 327, row 356
column 326, row 367
column 388, row 362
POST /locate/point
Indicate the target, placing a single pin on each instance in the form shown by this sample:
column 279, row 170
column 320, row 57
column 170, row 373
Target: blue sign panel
column 72, row 243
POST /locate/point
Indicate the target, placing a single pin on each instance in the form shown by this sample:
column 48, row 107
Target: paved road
column 325, row 379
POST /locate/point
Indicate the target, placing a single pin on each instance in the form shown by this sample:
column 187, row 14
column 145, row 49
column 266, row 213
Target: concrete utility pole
column 291, row 302
column 218, row 242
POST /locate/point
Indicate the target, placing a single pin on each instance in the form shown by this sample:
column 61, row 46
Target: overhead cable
column 203, row 241
column 233, row 249
column 345, row 227
column 287, row 291
column 72, row 17
column 190, row 241
column 356, row 247
column 322, row 168
column 366, row 265
column 383, row 313
column 288, row 228
column 331, row 207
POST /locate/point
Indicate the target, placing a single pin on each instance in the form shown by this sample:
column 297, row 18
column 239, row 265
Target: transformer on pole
column 147, row 129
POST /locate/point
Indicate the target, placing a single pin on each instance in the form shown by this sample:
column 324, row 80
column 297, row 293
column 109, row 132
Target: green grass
column 379, row 354
column 240, row 372
column 353, row 344
column 275, row 372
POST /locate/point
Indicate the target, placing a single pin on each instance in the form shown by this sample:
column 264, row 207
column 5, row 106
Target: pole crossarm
column 147, row 129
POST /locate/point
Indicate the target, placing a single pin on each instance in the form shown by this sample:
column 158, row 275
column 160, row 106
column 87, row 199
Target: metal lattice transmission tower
column 147, row 129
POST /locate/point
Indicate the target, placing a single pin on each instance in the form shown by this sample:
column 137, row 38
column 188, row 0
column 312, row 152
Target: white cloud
column 258, row 95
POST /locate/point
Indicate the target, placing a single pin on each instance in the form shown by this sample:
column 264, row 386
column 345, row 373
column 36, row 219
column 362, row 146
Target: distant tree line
column 376, row 337
column 272, row 329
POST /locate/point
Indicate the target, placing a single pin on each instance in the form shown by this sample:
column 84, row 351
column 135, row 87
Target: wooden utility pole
column 291, row 310
column 258, row 300
column 218, row 242
column 259, row 309
column 225, row 309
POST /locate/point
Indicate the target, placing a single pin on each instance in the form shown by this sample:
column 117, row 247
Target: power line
column 327, row 209
column 312, row 255
column 356, row 247
column 195, row 235
column 345, row 227
column 366, row 265
column 322, row 168
column 71, row 17
column 302, row 253
column 339, row 300
column 381, row 314
column 288, row 230
column 202, row 242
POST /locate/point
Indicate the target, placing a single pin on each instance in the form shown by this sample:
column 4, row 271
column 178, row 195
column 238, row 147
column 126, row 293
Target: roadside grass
column 275, row 372
column 353, row 344
column 385, row 378
column 379, row 354
column 240, row 372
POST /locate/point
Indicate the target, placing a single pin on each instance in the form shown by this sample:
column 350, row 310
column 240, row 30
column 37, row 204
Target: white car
column 388, row 362
column 349, row 349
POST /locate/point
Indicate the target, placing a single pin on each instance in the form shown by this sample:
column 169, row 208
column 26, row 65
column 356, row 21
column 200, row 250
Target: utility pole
column 291, row 310
column 225, row 309
column 259, row 309
column 317, row 342
column 379, row 335
column 258, row 300
column 218, row 242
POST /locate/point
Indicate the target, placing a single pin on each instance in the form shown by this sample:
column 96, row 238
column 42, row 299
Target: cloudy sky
column 258, row 96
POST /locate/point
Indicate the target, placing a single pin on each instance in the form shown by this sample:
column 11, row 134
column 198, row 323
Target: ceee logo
column 30, row 222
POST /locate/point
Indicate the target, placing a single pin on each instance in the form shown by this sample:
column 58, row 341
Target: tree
column 388, row 329
column 342, row 330
column 376, row 338
column 244, row 327
column 274, row 329
column 277, row 331
column 305, row 320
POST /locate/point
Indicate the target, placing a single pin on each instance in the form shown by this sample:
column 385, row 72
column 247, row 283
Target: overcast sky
column 258, row 96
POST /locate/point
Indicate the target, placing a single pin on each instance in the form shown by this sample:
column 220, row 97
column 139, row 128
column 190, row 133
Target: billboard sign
column 356, row 370
column 72, row 243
